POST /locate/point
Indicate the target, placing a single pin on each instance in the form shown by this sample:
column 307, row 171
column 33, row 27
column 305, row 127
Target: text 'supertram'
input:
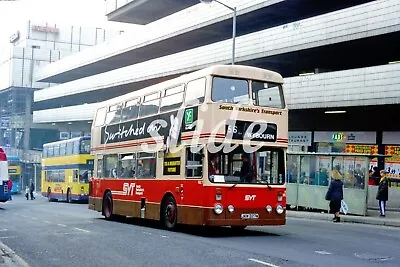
column 206, row 148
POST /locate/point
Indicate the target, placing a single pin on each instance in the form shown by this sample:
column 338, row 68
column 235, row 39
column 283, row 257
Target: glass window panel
column 194, row 163
column 146, row 166
column 100, row 117
column 267, row 94
column 228, row 90
column 195, row 91
column 63, row 148
column 131, row 110
column 171, row 102
column 149, row 108
column 111, row 166
column 128, row 165
column 70, row 148
column 85, row 146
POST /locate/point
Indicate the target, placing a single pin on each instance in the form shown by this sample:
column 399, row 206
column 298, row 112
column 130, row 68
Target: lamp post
column 233, row 24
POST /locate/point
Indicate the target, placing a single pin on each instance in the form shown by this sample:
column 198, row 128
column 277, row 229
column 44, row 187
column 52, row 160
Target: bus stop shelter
column 309, row 174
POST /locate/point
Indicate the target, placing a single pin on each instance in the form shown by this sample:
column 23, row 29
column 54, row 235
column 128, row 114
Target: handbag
column 343, row 207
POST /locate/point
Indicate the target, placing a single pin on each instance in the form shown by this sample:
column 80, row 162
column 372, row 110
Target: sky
column 13, row 15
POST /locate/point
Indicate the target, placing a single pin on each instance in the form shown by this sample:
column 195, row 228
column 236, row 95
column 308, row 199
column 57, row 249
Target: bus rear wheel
column 169, row 213
column 108, row 206
column 239, row 227
column 69, row 199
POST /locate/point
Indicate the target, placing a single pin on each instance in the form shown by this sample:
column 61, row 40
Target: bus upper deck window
column 267, row 94
column 131, row 110
column 100, row 117
column 85, row 146
column 230, row 90
column 195, row 91
column 150, row 105
column 172, row 99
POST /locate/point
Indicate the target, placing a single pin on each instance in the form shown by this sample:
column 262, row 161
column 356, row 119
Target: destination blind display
column 253, row 131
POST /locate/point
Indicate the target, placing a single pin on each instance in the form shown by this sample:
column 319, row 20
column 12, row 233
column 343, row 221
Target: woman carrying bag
column 335, row 194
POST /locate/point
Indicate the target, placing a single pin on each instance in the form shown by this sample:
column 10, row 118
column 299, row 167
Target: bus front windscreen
column 265, row 166
column 236, row 91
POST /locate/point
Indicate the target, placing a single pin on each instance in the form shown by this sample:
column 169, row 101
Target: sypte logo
column 129, row 189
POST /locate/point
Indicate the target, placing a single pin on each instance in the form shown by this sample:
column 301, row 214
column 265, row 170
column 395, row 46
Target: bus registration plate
column 246, row 216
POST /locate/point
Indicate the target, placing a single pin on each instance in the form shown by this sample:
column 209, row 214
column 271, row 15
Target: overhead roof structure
column 193, row 27
column 144, row 11
column 340, row 27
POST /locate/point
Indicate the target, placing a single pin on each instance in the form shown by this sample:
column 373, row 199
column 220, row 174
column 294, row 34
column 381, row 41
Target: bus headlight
column 279, row 209
column 231, row 208
column 218, row 209
column 268, row 208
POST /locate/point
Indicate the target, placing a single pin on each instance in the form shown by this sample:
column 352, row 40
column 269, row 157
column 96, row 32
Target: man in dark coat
column 32, row 189
column 383, row 192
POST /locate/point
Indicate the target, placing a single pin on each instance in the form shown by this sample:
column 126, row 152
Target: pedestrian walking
column 383, row 192
column 335, row 194
column 32, row 189
column 10, row 185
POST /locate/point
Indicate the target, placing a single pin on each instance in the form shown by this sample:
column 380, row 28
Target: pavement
column 61, row 234
column 392, row 218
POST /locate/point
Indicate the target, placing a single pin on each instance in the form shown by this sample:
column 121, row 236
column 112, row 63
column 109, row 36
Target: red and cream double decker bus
column 207, row 148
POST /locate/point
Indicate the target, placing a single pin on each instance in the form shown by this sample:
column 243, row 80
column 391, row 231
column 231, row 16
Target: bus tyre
column 69, row 200
column 108, row 206
column 238, row 227
column 169, row 213
column 49, row 194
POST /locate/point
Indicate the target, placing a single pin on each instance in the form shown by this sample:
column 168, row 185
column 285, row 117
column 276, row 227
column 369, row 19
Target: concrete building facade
column 336, row 56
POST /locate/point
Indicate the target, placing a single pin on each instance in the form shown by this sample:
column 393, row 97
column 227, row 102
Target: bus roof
column 68, row 140
column 234, row 71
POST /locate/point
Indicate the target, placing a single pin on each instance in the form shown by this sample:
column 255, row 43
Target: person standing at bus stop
column 383, row 192
column 335, row 194
column 10, row 185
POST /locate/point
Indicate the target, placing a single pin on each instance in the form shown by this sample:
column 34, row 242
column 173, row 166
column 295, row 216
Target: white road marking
column 83, row 230
column 33, row 218
column 7, row 237
column 63, row 225
column 46, row 221
column 3, row 230
column 263, row 263
column 147, row 233
column 24, row 216
column 164, row 236
column 323, row 252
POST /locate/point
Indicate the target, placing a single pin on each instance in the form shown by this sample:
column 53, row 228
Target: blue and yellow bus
column 67, row 167
column 14, row 172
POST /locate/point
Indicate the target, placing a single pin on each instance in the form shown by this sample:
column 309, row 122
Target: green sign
column 189, row 116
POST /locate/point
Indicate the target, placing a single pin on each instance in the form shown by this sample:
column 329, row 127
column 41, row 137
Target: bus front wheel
column 169, row 213
column 108, row 206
